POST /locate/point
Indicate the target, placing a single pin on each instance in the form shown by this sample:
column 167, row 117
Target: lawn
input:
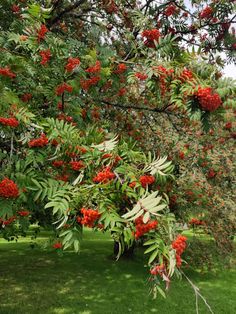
column 39, row 281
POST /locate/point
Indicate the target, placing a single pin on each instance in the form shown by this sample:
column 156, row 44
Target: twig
column 197, row 294
column 12, row 146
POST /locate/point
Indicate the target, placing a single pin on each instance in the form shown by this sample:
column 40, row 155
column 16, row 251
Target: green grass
column 39, row 281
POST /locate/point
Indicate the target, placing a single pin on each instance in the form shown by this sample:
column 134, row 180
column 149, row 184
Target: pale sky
column 230, row 69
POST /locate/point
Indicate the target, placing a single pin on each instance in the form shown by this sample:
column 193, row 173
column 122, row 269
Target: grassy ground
column 39, row 281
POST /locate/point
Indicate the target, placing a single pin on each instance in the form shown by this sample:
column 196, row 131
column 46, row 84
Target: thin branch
column 126, row 107
column 197, row 294
column 12, row 146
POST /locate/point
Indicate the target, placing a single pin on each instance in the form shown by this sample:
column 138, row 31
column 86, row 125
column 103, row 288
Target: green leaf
column 162, row 293
column 152, row 257
column 151, row 248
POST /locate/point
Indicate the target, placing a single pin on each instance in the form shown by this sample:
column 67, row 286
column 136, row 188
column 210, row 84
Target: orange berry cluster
column 86, row 84
column 77, row 165
column 206, row 13
column 89, row 217
column 158, row 269
column 39, row 142
column 9, row 122
column 72, row 63
column 146, row 180
column 8, row 189
column 62, row 88
column 57, row 245
column 179, row 244
column 45, row 55
column 121, row 68
column 196, row 222
column 94, row 69
column 208, row 100
column 8, row 221
column 42, row 32
column 142, row 228
column 58, row 163
column 141, row 76
column 170, row 10
column 23, row 213
column 150, row 36
column 104, row 176
column 7, row 72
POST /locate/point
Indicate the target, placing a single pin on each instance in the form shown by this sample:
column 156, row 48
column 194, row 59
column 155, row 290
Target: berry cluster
column 72, row 63
column 117, row 159
column 23, row 213
column 105, row 156
column 132, row 184
column 63, row 177
column 86, row 84
column 186, row 75
column 141, row 76
column 58, row 163
column 81, row 149
column 64, row 117
column 228, row 125
column 8, row 189
column 181, row 155
column 158, row 270
column 146, row 180
column 196, row 222
column 170, row 10
column 57, row 245
column 122, row 92
column 42, row 32
column 206, row 13
column 77, row 165
column 163, row 74
column 211, row 173
column 62, row 88
column 94, row 69
column 26, row 97
column 45, row 55
column 150, row 36
column 7, row 72
column 142, row 228
column 89, row 218
column 39, row 142
column 179, row 245
column 9, row 122
column 208, row 100
column 8, row 221
column 15, row 8
column 104, row 176
column 121, row 68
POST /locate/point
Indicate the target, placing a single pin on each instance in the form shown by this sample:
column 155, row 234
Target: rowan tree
column 88, row 92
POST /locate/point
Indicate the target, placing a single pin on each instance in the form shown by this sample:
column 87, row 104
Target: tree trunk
column 128, row 251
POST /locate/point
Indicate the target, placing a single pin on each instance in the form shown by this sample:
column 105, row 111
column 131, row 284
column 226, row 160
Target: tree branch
column 65, row 11
column 126, row 107
column 197, row 294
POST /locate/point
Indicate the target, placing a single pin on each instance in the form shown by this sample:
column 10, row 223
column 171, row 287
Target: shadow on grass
column 36, row 281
